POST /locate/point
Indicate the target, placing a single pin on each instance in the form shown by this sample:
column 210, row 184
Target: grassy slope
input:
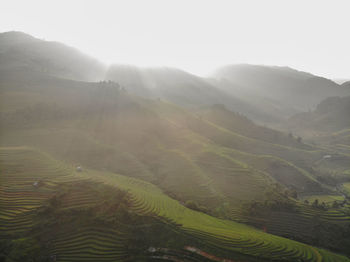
column 149, row 200
column 188, row 157
column 147, row 140
column 339, row 141
column 346, row 188
column 160, row 142
column 176, row 122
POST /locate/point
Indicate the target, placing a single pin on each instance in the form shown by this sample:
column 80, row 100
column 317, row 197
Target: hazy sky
column 310, row 35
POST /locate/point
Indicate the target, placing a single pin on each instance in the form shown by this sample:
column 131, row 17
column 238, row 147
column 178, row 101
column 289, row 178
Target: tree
column 292, row 193
column 335, row 204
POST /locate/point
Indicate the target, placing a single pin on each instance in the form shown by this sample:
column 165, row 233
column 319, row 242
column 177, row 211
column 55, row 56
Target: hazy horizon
column 194, row 36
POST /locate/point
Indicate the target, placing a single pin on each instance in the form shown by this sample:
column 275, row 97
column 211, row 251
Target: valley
column 154, row 164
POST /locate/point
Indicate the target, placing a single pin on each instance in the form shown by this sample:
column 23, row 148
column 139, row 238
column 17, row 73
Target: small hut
column 152, row 249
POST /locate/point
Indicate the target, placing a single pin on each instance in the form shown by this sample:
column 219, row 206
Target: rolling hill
column 264, row 94
column 64, row 196
column 178, row 87
column 181, row 163
column 346, row 84
column 149, row 133
column 19, row 51
column 278, row 90
column 332, row 114
column 211, row 156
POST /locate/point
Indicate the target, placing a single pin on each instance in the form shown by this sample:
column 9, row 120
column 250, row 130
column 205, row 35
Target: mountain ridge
column 252, row 90
column 20, row 50
column 172, row 139
column 273, row 86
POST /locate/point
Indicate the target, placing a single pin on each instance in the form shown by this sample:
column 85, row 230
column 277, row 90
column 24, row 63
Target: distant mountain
column 341, row 81
column 262, row 93
column 179, row 87
column 332, row 114
column 237, row 123
column 168, row 83
column 22, row 52
column 277, row 88
column 346, row 84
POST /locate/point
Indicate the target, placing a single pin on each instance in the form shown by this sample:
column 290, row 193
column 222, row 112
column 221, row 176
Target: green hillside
column 179, row 87
column 277, row 90
column 21, row 51
column 146, row 201
column 149, row 139
column 211, row 156
column 331, row 115
column 176, row 179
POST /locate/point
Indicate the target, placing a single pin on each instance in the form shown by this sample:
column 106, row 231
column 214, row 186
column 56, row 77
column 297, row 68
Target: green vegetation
column 327, row 199
column 155, row 176
column 69, row 218
column 189, row 158
column 346, row 187
column 145, row 200
column 332, row 114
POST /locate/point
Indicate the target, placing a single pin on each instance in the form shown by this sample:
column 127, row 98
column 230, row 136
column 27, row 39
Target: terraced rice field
column 329, row 215
column 327, row 199
column 301, row 224
column 21, row 167
column 234, row 179
column 19, row 199
column 346, row 188
column 90, row 244
column 149, row 200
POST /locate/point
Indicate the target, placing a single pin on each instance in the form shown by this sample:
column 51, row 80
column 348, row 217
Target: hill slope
column 19, row 51
column 332, row 114
column 277, row 88
column 145, row 200
column 209, row 159
column 178, row 87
